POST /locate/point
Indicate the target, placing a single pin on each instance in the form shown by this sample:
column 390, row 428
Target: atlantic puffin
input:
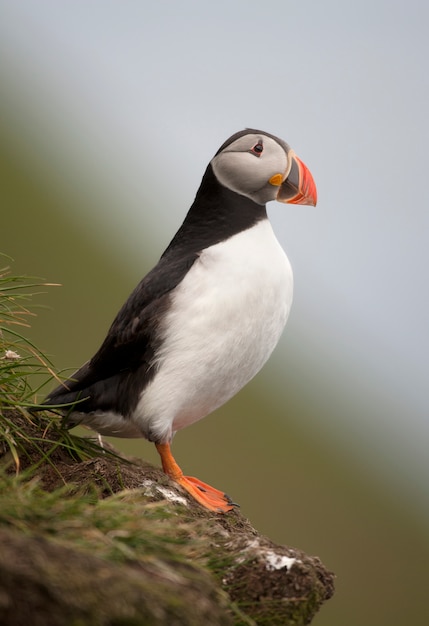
column 206, row 318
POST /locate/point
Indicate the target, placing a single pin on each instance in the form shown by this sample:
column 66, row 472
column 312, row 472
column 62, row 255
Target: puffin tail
column 68, row 395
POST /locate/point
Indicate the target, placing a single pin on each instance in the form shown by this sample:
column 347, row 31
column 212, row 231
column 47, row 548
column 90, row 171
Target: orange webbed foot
column 207, row 496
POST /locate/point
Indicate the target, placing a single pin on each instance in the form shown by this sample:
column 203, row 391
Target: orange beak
column 298, row 187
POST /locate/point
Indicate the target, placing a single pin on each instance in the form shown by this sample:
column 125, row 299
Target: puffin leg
column 207, row 496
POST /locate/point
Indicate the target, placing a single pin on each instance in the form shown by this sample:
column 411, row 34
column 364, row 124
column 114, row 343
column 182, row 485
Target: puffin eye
column 257, row 149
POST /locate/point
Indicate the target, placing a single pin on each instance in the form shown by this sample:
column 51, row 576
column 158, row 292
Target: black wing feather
column 115, row 376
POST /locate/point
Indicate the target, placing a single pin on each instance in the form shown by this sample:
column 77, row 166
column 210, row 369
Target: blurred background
column 110, row 112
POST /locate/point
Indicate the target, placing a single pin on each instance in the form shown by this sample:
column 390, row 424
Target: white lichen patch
column 272, row 560
column 278, row 561
column 150, row 488
column 170, row 495
column 147, row 484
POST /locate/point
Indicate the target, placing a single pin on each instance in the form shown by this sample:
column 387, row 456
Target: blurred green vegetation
column 294, row 488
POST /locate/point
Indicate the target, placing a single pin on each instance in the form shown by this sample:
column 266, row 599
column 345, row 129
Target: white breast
column 226, row 318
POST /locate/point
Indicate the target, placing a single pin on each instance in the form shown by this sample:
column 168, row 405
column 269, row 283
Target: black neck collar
column 216, row 214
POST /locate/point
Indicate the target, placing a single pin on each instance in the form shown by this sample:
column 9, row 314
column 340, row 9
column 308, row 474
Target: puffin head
column 263, row 167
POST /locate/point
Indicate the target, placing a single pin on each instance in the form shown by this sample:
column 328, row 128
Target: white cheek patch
column 237, row 171
column 248, row 174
